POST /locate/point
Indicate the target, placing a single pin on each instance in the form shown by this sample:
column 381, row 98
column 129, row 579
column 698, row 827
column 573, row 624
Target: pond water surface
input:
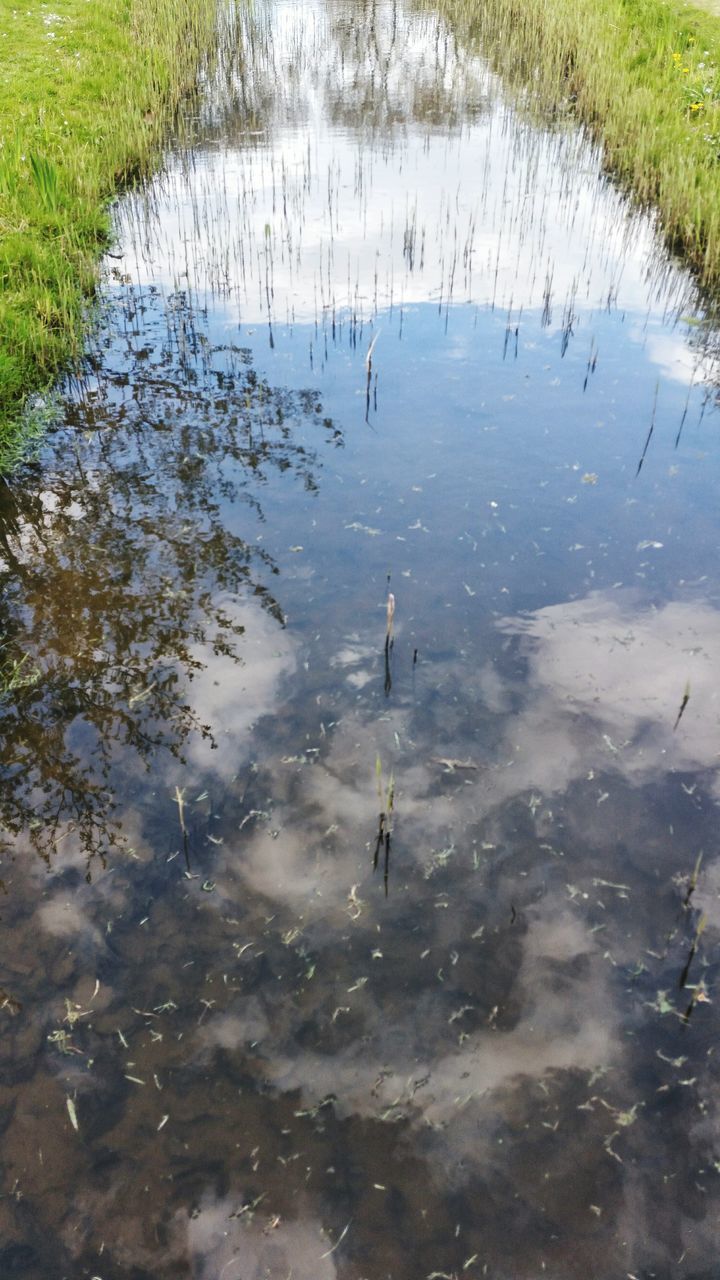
column 373, row 331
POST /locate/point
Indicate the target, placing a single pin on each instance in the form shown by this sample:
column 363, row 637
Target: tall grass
column 642, row 74
column 86, row 93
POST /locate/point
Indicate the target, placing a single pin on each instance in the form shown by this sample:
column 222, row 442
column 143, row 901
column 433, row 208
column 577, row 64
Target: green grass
column 643, row 75
column 87, row 88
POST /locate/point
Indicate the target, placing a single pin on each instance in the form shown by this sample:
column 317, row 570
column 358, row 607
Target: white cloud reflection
column 231, row 694
column 606, row 676
column 220, row 1246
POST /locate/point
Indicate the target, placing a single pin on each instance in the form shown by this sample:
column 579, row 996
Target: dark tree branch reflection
column 120, row 553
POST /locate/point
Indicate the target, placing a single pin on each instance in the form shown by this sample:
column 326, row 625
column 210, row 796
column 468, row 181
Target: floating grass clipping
column 643, row 75
column 86, row 95
column 386, row 799
column 180, row 802
column 72, row 1112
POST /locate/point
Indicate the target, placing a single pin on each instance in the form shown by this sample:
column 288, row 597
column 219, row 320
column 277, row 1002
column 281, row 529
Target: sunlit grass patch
column 86, row 90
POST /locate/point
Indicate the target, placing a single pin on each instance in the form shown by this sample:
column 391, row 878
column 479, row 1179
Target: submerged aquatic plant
column 16, row 673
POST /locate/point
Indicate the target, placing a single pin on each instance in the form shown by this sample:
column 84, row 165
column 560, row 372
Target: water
column 372, row 330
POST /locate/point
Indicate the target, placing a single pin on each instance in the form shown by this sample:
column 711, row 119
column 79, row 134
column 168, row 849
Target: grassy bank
column 86, row 91
column 644, row 75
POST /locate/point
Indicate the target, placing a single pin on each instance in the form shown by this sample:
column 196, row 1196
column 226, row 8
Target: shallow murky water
column 371, row 331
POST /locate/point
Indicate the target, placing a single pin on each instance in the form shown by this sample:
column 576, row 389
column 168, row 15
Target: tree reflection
column 119, row 554
column 384, row 76
column 374, row 76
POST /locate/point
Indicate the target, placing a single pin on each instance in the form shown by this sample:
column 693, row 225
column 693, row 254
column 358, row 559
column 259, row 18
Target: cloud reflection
column 603, row 683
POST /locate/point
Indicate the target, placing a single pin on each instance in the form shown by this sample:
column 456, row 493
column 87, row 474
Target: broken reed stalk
column 683, row 704
column 389, row 641
column 692, row 886
column 386, row 797
column 701, row 926
column 368, row 368
column 390, row 618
